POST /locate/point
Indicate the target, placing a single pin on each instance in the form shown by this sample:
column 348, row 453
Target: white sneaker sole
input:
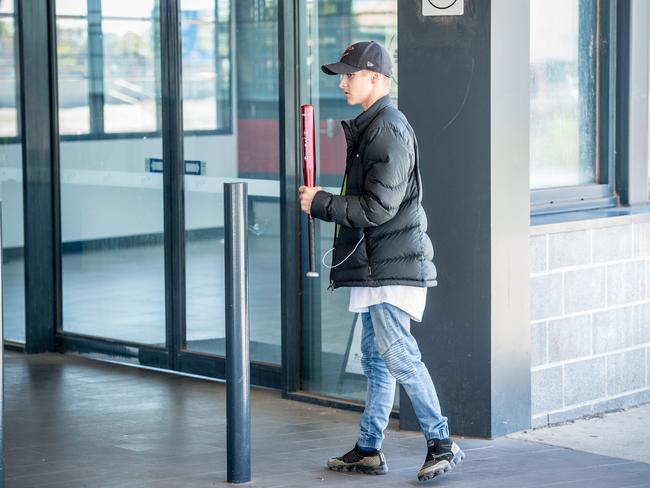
column 441, row 467
column 359, row 469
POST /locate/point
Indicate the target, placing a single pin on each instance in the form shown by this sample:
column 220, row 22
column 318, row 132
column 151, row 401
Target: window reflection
column 205, row 42
column 130, row 66
column 109, row 64
column 72, row 64
column 563, row 52
column 257, row 89
column 72, row 7
column 8, row 118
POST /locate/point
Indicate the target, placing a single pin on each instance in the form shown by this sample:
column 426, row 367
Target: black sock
column 366, row 451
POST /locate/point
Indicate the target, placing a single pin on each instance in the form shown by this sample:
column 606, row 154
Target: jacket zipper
column 343, row 190
column 337, row 229
column 365, row 238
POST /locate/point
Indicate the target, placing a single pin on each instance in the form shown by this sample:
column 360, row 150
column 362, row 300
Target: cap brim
column 339, row 69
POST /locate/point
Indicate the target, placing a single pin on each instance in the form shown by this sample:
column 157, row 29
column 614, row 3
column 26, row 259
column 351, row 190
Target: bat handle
column 312, row 273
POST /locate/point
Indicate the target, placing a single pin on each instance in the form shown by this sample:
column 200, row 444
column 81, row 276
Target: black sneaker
column 442, row 456
column 370, row 463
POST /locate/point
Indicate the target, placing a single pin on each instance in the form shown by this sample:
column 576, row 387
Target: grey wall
column 590, row 317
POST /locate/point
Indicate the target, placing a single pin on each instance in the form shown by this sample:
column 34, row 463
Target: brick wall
column 590, row 313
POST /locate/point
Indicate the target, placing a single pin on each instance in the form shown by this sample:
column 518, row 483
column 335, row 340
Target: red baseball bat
column 309, row 174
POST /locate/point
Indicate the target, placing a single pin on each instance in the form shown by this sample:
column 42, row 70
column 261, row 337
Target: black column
column 289, row 217
column 36, row 25
column 473, row 338
column 173, row 173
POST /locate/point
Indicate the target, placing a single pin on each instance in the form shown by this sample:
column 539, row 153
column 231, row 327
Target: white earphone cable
column 346, row 257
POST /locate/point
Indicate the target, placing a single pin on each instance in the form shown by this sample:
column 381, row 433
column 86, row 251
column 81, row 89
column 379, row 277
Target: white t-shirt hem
column 410, row 299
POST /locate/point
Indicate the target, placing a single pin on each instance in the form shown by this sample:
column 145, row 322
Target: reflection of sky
column 128, row 8
column 140, row 28
column 206, row 5
column 193, row 24
column 374, row 7
column 7, row 70
column 6, row 6
column 189, row 33
column 71, row 7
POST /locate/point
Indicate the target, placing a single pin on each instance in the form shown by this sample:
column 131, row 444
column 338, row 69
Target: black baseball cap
column 362, row 55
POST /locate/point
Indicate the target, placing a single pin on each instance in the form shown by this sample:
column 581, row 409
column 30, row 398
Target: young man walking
column 381, row 251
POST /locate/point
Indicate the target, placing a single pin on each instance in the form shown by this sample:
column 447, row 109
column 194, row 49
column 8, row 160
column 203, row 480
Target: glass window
column 72, row 65
column 8, row 118
column 108, row 55
column 563, row 52
column 331, row 335
column 205, row 41
column 11, row 181
column 131, row 63
column 77, row 8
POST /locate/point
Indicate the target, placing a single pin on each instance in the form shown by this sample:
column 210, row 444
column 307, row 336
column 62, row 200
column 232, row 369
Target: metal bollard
column 2, row 369
column 238, row 412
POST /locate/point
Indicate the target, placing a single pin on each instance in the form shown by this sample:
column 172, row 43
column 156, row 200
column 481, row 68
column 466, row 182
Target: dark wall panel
column 37, row 129
column 444, row 89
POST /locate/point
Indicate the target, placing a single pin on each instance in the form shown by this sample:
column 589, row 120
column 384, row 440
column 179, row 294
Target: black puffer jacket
column 379, row 201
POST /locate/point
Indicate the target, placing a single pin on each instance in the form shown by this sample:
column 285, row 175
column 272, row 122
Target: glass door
column 331, row 336
column 111, row 159
column 108, row 57
column 11, row 180
column 232, row 131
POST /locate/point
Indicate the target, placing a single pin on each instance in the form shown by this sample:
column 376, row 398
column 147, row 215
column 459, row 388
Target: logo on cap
column 347, row 51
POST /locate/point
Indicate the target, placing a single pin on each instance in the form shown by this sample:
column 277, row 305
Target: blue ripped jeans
column 389, row 353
